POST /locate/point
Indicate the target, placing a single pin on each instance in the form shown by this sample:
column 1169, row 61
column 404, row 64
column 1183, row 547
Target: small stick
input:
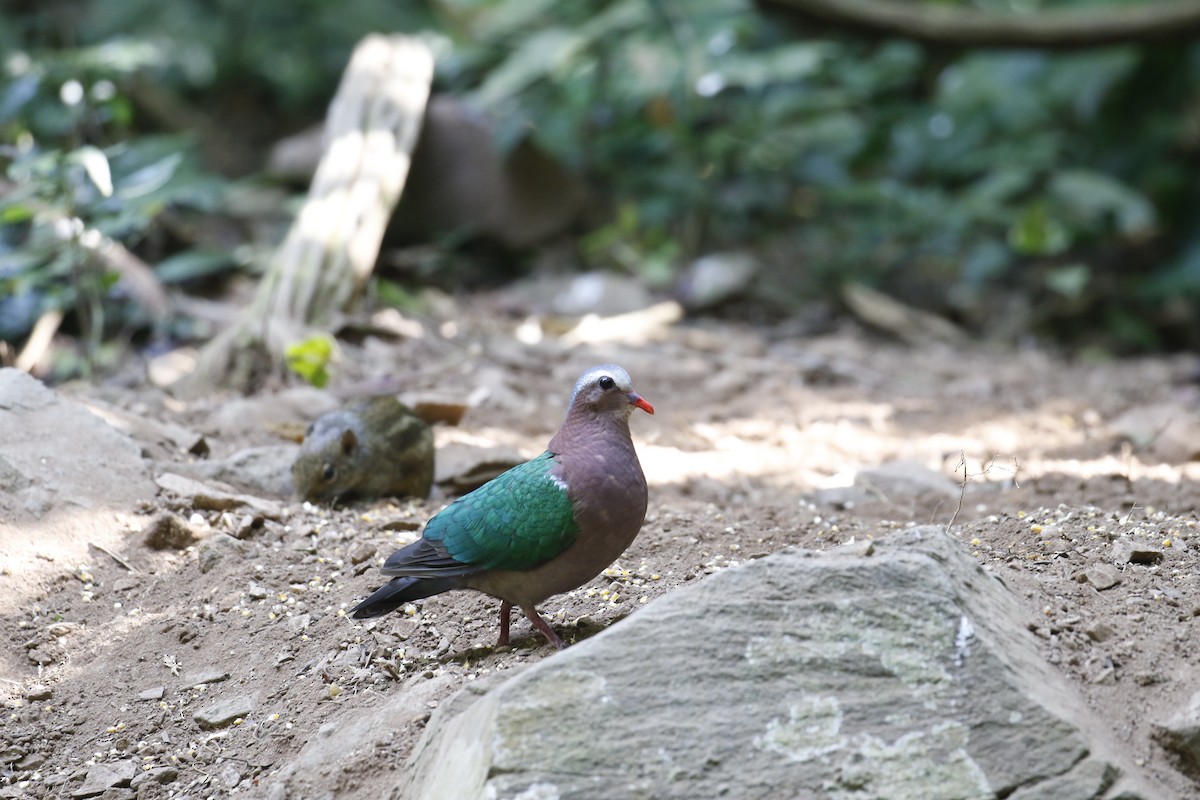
column 115, row 557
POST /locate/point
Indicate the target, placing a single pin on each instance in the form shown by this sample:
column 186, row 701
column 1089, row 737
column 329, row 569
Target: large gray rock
column 905, row 674
column 64, row 475
column 55, row 454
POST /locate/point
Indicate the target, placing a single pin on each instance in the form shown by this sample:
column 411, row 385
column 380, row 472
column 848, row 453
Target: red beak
column 636, row 399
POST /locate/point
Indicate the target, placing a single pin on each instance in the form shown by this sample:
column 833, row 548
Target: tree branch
column 966, row 27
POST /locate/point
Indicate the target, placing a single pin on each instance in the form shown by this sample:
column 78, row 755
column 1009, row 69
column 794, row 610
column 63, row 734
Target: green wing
column 516, row 521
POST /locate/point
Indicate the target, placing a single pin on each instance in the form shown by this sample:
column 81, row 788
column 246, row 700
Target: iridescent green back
column 517, row 521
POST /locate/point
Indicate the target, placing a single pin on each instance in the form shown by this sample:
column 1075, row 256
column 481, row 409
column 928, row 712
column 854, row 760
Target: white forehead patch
column 618, row 374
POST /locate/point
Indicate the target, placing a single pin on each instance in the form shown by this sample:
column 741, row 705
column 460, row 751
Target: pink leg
column 544, row 627
column 505, row 612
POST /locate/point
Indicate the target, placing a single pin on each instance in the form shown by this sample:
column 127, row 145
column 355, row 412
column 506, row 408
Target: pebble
column 1102, row 576
column 1127, row 551
column 223, row 712
column 154, row 693
column 361, row 552
column 1100, row 632
column 163, row 775
column 211, row 676
column 102, row 777
column 1180, row 733
column 230, row 776
column 31, row 761
column 38, row 691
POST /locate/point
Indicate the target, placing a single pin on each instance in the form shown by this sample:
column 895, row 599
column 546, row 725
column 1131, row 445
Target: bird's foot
column 534, row 617
column 544, row 627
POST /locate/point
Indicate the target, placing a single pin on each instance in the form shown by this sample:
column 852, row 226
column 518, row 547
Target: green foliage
column 62, row 210
column 943, row 177
column 711, row 126
column 82, row 168
column 310, row 359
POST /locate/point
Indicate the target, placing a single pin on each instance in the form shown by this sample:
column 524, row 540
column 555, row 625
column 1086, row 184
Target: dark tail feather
column 399, row 591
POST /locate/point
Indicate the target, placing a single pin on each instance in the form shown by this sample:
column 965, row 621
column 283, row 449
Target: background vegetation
column 1016, row 191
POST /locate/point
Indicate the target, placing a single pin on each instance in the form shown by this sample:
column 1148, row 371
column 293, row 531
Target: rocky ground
column 190, row 644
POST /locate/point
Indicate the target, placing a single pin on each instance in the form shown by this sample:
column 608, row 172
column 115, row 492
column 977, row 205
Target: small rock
column 38, row 691
column 31, row 761
column 59, row 629
column 200, row 678
column 905, row 478
column 1147, row 678
column 230, row 776
column 125, row 584
column 713, row 279
column 202, row 496
column 1180, row 735
column 443, row 410
column 169, row 531
column 856, row 547
column 361, row 552
column 1127, row 551
column 257, row 470
column 1145, row 555
column 1100, row 632
column 163, row 775
column 299, row 623
column 277, row 791
column 155, row 693
column 105, row 776
column 223, row 712
column 1103, row 576
column 1168, row 431
column 1122, row 550
column 41, row 656
column 257, row 592
column 248, row 525
column 1057, row 545
column 216, row 548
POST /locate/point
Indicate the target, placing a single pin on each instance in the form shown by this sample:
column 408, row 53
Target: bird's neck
column 584, row 429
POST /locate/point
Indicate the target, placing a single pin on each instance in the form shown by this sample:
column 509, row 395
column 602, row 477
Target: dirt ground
column 1078, row 475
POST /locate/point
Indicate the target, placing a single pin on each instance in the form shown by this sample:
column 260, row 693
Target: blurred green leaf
column 1036, row 233
column 310, row 359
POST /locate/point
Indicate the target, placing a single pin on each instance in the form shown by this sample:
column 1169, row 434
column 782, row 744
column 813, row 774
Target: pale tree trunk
column 324, row 263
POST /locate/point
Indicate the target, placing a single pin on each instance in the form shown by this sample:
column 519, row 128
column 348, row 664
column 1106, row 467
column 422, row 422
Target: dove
column 542, row 528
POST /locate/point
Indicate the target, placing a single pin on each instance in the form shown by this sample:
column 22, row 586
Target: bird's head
column 607, row 388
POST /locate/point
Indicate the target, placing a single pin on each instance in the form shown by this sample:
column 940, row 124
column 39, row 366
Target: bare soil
column 760, row 442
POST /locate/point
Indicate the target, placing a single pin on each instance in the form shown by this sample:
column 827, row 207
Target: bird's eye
column 328, row 472
column 607, row 383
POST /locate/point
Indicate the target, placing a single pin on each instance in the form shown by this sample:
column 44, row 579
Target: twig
column 962, row 485
column 962, row 488
column 115, row 558
column 39, row 340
